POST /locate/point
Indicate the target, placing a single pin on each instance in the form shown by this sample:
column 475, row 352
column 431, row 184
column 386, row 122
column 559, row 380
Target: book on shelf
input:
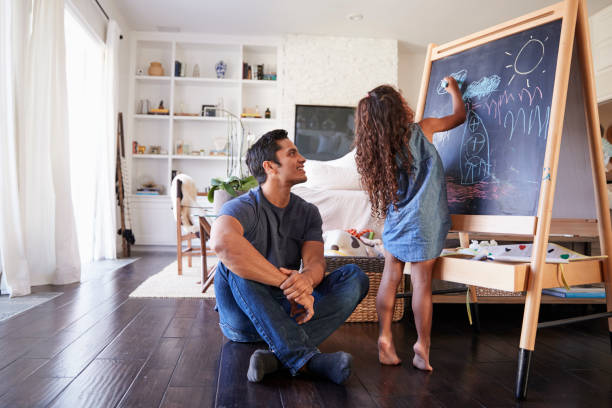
column 595, row 293
column 177, row 68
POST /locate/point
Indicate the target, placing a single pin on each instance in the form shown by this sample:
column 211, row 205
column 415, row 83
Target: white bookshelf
column 187, row 94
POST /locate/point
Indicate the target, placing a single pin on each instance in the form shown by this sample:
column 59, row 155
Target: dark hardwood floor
column 95, row 347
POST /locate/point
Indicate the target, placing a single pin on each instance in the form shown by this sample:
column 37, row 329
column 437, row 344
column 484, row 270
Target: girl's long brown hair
column 382, row 123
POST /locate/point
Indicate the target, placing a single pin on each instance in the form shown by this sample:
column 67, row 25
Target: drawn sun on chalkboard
column 527, row 59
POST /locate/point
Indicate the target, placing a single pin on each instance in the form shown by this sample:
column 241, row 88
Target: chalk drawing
column 542, row 125
column 474, row 160
column 535, row 121
column 524, row 64
column 513, row 121
column 482, row 88
column 459, row 77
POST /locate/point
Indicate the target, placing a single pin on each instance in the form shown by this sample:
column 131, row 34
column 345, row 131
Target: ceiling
column 414, row 23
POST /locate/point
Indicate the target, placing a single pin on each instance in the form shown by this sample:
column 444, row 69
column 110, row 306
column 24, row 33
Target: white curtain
column 105, row 227
column 13, row 259
column 84, row 67
column 44, row 169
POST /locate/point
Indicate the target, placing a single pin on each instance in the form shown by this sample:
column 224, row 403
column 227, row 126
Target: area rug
column 168, row 284
column 12, row 307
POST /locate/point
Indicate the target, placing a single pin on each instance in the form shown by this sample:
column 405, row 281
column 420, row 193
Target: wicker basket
column 373, row 267
column 480, row 291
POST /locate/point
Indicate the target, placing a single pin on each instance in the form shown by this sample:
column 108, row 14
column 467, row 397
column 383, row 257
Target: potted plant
column 224, row 190
column 237, row 181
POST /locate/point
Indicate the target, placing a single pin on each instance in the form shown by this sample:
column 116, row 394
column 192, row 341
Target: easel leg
column 522, row 373
column 474, row 309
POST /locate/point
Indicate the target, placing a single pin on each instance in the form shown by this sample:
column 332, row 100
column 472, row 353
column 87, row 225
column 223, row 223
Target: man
column 262, row 291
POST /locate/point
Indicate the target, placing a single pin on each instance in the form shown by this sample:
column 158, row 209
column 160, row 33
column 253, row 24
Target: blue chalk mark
column 482, row 88
column 459, row 77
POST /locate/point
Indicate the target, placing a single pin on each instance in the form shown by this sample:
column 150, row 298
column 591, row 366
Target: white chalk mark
column 507, row 53
column 508, row 66
column 511, row 79
column 530, row 70
column 527, row 82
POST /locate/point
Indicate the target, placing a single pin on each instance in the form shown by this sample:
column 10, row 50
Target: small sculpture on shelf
column 160, row 110
column 155, row 149
column 156, row 69
column 220, row 68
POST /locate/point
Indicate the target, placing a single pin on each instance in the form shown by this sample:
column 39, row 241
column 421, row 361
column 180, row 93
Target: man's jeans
column 250, row 312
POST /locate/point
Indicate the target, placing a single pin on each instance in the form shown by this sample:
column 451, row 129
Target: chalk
column 444, row 83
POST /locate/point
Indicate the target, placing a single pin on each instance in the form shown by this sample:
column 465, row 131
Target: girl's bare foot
column 421, row 357
column 386, row 352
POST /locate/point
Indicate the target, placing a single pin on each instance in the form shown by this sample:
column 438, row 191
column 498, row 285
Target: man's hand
column 302, row 308
column 296, row 285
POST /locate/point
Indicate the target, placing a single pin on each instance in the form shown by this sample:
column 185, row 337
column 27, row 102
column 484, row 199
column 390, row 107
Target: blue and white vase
column 220, row 68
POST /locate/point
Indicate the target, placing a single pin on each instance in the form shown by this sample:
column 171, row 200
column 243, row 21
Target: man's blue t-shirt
column 277, row 233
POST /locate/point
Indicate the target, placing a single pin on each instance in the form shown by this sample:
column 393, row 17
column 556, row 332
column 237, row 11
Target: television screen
column 324, row 132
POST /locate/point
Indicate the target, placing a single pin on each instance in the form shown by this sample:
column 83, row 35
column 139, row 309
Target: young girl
column 403, row 175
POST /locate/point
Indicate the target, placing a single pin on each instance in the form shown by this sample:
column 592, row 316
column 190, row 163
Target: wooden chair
column 190, row 251
column 203, row 234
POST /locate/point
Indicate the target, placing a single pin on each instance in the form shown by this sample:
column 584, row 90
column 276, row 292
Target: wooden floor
column 95, row 347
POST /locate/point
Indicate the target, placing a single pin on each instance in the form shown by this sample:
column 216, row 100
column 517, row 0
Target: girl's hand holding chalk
column 451, row 83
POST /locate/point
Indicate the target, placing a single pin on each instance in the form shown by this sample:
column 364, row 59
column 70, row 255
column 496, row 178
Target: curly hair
column 382, row 124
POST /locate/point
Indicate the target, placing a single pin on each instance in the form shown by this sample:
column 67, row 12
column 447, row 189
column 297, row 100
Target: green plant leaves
column 232, row 186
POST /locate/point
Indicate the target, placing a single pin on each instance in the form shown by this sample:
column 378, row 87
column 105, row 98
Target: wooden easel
column 534, row 276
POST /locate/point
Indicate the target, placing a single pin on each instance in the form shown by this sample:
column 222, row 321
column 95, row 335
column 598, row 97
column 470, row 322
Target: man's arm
column 433, row 125
column 312, row 271
column 228, row 242
column 313, row 261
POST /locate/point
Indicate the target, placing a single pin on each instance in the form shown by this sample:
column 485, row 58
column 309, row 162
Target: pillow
column 339, row 174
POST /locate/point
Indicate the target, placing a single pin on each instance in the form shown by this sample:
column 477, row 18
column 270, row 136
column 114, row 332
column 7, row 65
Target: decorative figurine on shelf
column 156, row 69
column 196, row 71
column 161, row 104
column 220, row 68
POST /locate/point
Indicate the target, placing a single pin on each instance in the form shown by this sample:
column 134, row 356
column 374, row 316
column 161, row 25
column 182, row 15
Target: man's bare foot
column 386, row 352
column 421, row 358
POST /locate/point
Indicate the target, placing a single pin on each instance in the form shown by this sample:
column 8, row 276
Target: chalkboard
column 493, row 162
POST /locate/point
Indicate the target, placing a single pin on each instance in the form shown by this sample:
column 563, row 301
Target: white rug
column 12, row 307
column 168, row 284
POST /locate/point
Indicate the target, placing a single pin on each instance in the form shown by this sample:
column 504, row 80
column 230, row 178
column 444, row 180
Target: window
column 84, row 72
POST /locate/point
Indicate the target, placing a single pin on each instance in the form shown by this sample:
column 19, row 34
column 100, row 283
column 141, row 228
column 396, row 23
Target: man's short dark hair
column 264, row 150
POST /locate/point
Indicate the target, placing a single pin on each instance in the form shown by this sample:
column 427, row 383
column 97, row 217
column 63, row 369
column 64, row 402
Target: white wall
column 601, row 41
column 410, row 70
column 323, row 70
